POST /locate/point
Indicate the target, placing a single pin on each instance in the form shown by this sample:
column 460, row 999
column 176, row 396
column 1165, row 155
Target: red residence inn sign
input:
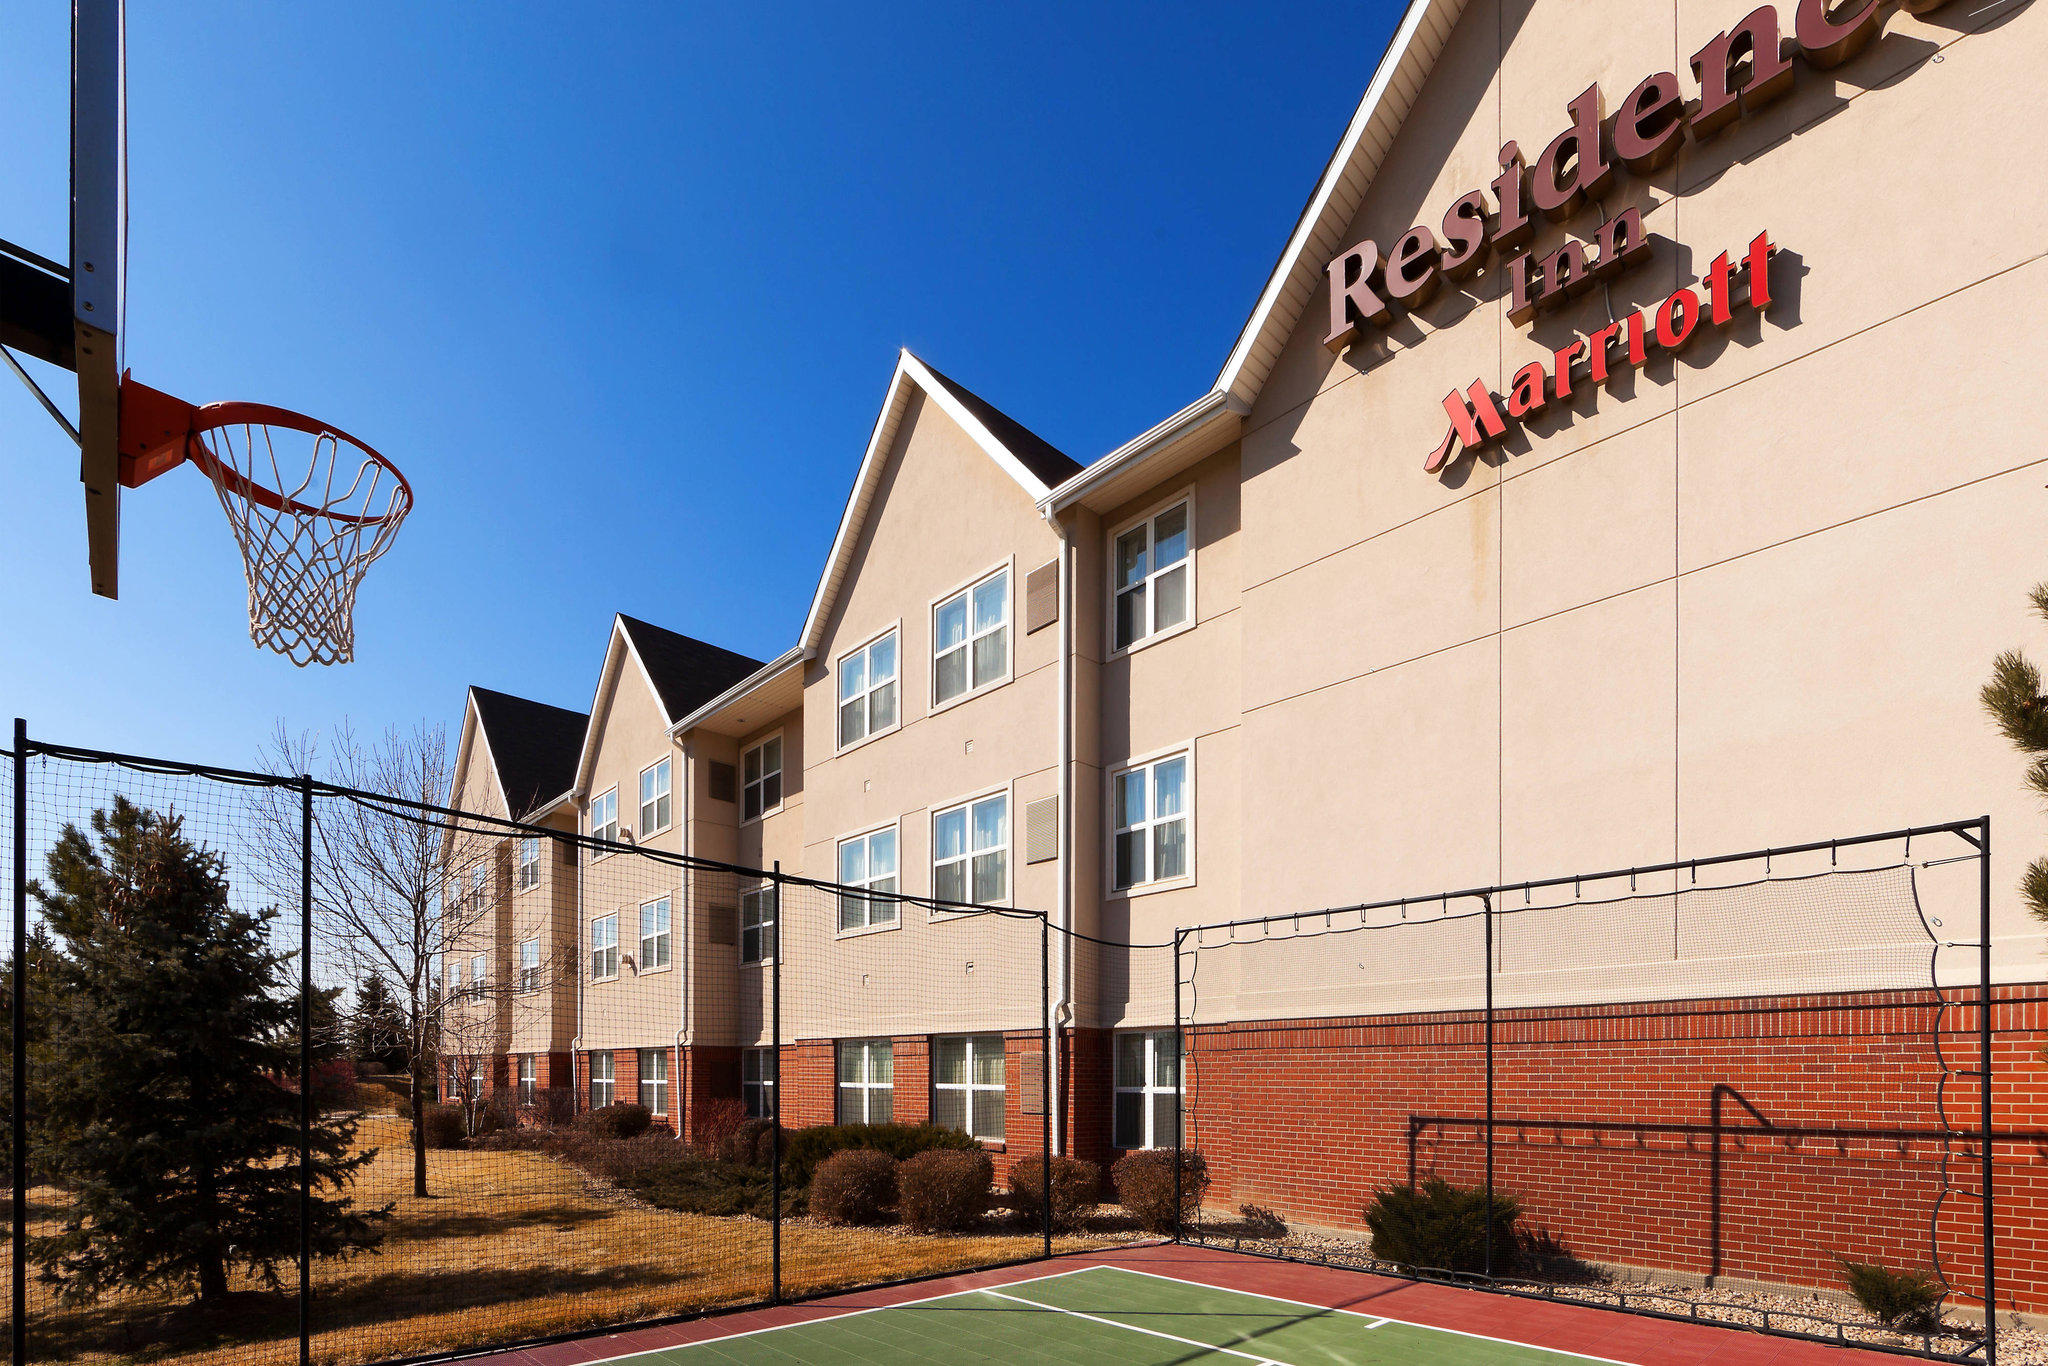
column 1738, row 71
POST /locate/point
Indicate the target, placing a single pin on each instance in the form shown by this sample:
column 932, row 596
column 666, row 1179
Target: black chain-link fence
column 305, row 1072
column 308, row 1073
column 1706, row 1090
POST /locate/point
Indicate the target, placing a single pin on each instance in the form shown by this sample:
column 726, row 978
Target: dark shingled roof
column 1052, row 466
column 687, row 672
column 535, row 746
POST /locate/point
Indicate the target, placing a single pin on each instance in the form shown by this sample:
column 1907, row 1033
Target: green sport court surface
column 1106, row 1314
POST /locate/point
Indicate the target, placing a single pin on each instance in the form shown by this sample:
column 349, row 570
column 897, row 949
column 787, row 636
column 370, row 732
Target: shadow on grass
column 421, row 1227
column 144, row 1331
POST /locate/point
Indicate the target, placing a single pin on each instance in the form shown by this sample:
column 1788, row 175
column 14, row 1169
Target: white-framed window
column 529, row 862
column 604, row 948
column 654, row 1079
column 757, row 925
column 476, row 972
column 452, row 1089
column 453, row 972
column 529, row 964
column 654, row 799
column 602, row 1083
column 529, row 1080
column 604, row 820
column 867, row 1081
column 867, row 690
column 1153, row 576
column 479, row 887
column 757, row 1082
column 971, row 851
column 654, row 934
column 967, row 1084
column 761, row 779
column 971, row 638
column 868, row 861
column 1149, row 822
column 1147, row 1090
column 476, row 1079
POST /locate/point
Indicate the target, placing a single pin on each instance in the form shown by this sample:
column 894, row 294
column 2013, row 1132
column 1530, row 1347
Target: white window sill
column 972, row 693
column 522, row 891
column 869, row 738
column 655, row 972
column 1150, row 888
column 600, row 981
column 658, row 830
column 757, row 963
column 1155, row 638
column 859, row 931
column 774, row 810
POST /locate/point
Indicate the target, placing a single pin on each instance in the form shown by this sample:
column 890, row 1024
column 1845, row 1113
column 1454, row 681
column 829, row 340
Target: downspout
column 687, row 978
column 1063, row 1004
column 576, row 950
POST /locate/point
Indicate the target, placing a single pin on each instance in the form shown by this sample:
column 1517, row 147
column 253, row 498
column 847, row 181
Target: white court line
column 826, row 1318
column 1129, row 1327
column 1332, row 1309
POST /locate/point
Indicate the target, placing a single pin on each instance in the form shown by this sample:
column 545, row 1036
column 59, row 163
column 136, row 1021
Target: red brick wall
column 1754, row 1139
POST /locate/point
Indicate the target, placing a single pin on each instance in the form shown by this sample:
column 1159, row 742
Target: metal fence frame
column 1975, row 832
column 308, row 788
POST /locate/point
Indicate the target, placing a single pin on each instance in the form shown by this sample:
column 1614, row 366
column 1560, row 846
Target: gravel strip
column 1816, row 1314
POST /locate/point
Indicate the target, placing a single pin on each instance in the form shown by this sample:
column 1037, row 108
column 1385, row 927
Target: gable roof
column 1411, row 54
column 1036, row 465
column 686, row 672
column 532, row 747
column 681, row 671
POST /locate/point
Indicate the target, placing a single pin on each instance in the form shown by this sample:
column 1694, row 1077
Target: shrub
column 805, row 1148
column 616, row 1121
column 553, row 1107
column 944, row 1191
column 1441, row 1227
column 1144, row 1186
column 334, row 1085
column 1076, row 1186
column 751, row 1144
column 1260, row 1222
column 444, row 1125
column 857, row 1186
column 696, row 1184
column 718, row 1121
column 1909, row 1301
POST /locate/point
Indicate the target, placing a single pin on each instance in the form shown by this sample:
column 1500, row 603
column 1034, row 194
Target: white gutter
column 796, row 654
column 1209, row 407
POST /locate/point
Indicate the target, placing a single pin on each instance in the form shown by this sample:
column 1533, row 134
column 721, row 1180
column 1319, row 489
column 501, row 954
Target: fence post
column 775, row 1094
column 1486, row 908
column 19, row 1233
column 1180, row 1086
column 1984, row 1087
column 305, row 1068
column 1045, row 1072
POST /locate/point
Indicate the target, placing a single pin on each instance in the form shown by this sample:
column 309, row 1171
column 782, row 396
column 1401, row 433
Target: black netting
column 527, row 1084
column 1702, row 1090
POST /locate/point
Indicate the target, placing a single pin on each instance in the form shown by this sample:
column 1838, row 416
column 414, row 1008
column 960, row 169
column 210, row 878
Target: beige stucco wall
column 1746, row 600
column 944, row 515
column 642, row 1007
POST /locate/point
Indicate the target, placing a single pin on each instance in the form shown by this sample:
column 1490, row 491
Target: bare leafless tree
column 395, row 892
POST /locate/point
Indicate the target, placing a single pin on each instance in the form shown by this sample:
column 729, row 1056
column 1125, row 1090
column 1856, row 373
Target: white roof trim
column 616, row 651
column 1411, row 54
column 909, row 370
column 473, row 723
column 767, row 673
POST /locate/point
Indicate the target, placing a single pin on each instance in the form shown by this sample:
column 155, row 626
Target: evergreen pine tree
column 173, row 1039
column 377, row 1029
column 2016, row 702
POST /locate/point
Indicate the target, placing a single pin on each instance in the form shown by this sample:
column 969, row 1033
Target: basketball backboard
column 99, row 266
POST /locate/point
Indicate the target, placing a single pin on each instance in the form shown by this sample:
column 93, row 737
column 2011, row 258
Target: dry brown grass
column 513, row 1245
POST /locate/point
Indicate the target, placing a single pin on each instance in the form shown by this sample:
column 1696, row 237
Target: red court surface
column 1570, row 1328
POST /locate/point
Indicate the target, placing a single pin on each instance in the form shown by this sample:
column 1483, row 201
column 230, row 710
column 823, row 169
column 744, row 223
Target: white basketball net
column 341, row 505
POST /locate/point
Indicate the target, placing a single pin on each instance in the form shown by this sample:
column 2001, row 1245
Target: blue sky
column 619, row 287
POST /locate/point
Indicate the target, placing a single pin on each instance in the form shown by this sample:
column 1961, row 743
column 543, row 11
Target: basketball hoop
column 311, row 507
